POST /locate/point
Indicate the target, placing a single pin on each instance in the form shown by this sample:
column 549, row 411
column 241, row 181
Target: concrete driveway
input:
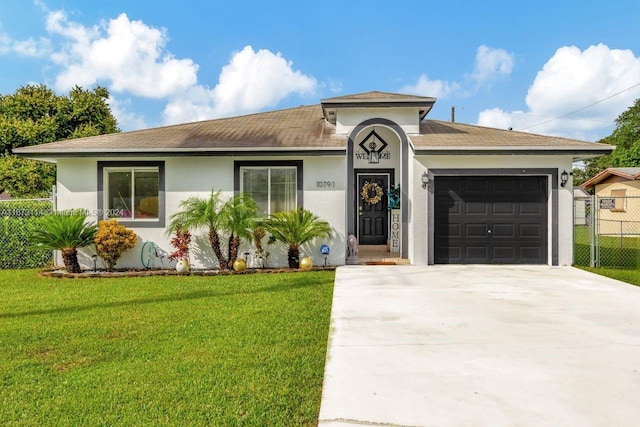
column 482, row 346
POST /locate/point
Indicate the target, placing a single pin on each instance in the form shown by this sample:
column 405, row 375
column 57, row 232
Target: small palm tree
column 239, row 215
column 197, row 213
column 66, row 232
column 295, row 228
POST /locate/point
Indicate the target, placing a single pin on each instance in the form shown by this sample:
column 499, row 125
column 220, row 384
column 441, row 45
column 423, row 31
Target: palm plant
column 197, row 213
column 66, row 232
column 295, row 228
column 239, row 218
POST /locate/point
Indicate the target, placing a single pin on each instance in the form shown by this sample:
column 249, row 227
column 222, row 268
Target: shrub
column 181, row 241
column 112, row 240
column 295, row 228
column 65, row 231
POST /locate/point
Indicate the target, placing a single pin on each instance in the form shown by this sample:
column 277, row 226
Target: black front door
column 373, row 216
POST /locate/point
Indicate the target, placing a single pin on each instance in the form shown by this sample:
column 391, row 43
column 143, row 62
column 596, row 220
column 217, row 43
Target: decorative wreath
column 367, row 190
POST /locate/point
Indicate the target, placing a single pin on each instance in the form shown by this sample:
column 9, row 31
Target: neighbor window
column 132, row 192
column 619, row 197
column 274, row 187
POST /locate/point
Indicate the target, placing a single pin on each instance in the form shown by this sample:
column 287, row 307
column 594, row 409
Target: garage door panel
column 476, row 252
column 506, row 224
column 530, row 252
column 478, row 187
column 503, row 230
column 531, row 231
column 503, row 208
column 531, row 208
column 503, row 186
column 452, row 230
column 504, row 254
column 475, row 230
column 475, row 208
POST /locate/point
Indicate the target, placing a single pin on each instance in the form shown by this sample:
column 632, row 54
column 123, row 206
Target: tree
column 239, row 219
column 36, row 115
column 66, row 232
column 626, row 138
column 197, row 213
column 26, row 178
column 295, row 228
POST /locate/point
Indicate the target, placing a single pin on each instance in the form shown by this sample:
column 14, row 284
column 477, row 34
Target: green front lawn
column 228, row 350
column 624, row 275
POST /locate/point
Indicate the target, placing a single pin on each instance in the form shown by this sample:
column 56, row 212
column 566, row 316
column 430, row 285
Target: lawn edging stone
column 62, row 274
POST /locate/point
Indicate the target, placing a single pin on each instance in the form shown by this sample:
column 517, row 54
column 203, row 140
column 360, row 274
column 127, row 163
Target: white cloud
column 426, row 87
column 250, row 82
column 570, row 80
column 256, row 80
column 29, row 47
column 131, row 59
column 489, row 64
column 128, row 56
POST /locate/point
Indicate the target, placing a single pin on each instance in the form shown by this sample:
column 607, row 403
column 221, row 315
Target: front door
column 373, row 216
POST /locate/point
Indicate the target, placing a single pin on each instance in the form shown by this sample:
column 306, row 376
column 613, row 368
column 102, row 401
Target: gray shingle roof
column 294, row 130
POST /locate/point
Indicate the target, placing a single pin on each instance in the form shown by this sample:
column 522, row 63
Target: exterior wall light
column 425, row 180
column 564, row 177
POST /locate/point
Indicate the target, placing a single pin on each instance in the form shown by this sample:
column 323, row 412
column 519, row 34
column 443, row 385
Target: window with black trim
column 275, row 186
column 132, row 192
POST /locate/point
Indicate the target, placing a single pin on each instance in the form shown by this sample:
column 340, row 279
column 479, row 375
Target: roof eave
column 514, row 150
column 184, row 152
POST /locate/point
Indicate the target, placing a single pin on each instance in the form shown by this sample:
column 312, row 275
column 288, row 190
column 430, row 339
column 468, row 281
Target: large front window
column 132, row 192
column 276, row 186
column 274, row 189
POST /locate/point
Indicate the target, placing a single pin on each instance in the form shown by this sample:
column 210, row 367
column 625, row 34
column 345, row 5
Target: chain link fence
column 18, row 218
column 607, row 231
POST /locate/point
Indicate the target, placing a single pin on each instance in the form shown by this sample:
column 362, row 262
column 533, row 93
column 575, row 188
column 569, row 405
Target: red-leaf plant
column 181, row 241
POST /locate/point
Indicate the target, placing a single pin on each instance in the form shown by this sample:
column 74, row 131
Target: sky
column 565, row 68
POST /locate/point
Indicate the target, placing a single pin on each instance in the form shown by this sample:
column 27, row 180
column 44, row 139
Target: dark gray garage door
column 490, row 220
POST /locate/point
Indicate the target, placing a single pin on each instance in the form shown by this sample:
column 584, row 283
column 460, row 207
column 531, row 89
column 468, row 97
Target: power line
column 583, row 108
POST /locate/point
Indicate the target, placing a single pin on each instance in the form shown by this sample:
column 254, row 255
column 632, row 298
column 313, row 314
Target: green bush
column 18, row 219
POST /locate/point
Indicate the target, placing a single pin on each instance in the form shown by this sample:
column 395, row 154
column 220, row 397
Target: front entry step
column 379, row 255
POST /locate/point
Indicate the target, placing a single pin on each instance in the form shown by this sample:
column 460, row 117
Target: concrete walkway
column 481, row 346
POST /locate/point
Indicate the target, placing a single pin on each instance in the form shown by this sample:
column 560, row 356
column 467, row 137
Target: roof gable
column 628, row 174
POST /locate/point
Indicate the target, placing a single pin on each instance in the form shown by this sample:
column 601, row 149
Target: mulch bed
column 146, row 273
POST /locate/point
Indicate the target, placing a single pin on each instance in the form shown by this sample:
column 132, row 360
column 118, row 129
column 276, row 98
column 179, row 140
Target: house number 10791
column 325, row 184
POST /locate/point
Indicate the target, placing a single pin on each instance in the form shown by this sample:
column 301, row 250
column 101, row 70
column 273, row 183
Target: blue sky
column 501, row 63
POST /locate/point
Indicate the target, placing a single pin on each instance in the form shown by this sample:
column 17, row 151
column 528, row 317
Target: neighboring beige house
column 469, row 194
column 617, row 192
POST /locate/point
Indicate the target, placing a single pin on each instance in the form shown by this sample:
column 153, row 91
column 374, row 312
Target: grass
column 228, row 350
column 614, row 251
column 624, row 275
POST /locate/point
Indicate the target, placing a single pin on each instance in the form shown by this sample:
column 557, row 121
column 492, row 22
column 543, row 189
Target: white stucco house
column 469, row 194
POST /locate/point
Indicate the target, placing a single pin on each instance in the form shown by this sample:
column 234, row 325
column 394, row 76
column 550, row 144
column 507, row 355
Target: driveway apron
column 481, row 346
